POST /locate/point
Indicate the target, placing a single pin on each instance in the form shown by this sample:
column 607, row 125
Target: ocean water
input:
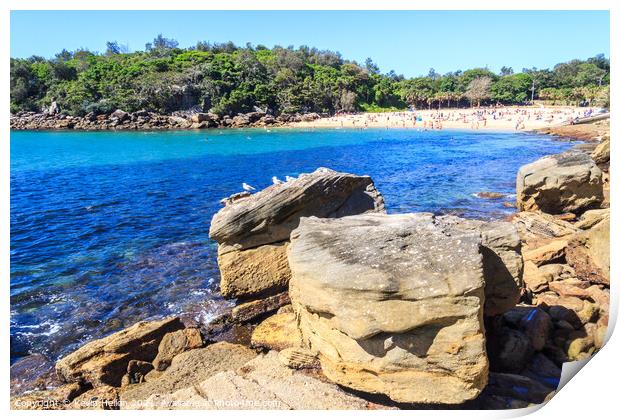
column 108, row 228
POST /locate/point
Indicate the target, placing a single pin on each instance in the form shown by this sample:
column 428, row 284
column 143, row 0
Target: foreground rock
column 187, row 369
column 104, row 361
column 354, row 278
column 253, row 231
column 261, row 384
column 568, row 182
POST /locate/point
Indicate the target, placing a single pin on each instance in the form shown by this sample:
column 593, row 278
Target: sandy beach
column 496, row 118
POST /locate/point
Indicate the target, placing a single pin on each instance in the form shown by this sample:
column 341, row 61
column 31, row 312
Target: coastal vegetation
column 227, row 80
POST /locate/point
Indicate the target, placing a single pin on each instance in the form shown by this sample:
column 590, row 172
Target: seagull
column 276, row 181
column 290, row 178
column 247, row 187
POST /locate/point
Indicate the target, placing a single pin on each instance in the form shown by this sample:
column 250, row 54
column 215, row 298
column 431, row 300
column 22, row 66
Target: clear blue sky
column 410, row 42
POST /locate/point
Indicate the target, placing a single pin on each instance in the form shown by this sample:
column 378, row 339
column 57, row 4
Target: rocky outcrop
column 186, row 369
column 253, row 231
column 261, row 384
column 104, row 361
column 568, row 182
column 52, row 119
column 354, row 278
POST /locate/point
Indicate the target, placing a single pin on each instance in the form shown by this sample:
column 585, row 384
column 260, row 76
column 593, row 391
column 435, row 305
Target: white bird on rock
column 248, row 187
column 276, row 181
column 290, row 178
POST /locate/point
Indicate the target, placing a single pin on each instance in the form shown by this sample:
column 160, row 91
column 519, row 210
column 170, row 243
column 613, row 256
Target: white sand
column 500, row 118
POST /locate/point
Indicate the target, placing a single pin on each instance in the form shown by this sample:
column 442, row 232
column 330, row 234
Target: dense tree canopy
column 227, row 79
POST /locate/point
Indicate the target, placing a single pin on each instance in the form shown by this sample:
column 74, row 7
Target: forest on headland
column 227, row 79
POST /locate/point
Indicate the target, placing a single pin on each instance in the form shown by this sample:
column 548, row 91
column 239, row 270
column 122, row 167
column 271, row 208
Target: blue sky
column 410, row 42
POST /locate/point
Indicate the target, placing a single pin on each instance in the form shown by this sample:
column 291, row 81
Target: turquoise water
column 108, row 228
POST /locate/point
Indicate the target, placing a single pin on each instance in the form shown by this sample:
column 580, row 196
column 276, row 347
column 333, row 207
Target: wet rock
column 490, row 195
column 254, row 272
column 175, row 343
column 588, row 254
column 381, row 296
column 104, row 361
column 568, row 182
column 33, row 372
column 187, row 369
column 277, row 332
column 249, row 311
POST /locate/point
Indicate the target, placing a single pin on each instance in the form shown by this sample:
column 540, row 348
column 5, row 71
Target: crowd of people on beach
column 517, row 118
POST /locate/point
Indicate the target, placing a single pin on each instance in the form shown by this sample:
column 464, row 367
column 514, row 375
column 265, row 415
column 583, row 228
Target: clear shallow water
column 108, row 228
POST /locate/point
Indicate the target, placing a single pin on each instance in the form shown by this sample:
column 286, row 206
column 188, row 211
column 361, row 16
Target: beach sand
column 500, row 118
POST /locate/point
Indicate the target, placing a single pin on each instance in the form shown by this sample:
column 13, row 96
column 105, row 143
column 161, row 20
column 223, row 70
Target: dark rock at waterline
column 490, row 195
column 33, row 372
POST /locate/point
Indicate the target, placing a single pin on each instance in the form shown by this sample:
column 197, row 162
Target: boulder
column 502, row 265
column 392, row 304
column 532, row 321
column 253, row 272
column 119, row 115
column 270, row 215
column 187, row 369
column 104, row 361
column 509, row 350
column 588, row 253
column 535, row 279
column 253, row 231
column 277, row 332
column 517, row 387
column 568, row 182
column 136, row 372
column 52, row 399
column 175, row 343
column 33, row 372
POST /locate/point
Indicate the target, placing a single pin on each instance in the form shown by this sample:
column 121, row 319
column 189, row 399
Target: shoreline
column 503, row 119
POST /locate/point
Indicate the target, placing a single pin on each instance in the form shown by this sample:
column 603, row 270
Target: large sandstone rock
column 502, row 262
column 187, row 369
column 277, row 332
column 392, row 304
column 104, row 361
column 252, row 272
column 253, row 230
column 262, row 383
column 270, row 215
column 568, row 182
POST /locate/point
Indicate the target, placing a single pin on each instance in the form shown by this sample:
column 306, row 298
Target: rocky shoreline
column 52, row 119
column 336, row 298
